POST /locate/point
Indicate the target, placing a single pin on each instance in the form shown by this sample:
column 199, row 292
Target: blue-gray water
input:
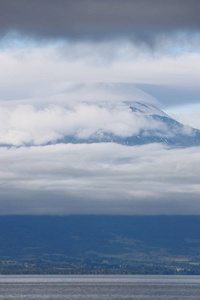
column 99, row 287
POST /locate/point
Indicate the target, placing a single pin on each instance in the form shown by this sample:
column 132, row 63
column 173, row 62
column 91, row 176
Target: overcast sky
column 69, row 55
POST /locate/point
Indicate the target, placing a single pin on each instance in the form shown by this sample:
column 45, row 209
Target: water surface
column 99, row 287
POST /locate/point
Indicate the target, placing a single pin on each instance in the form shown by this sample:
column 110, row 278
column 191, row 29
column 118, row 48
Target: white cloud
column 27, row 124
column 44, row 71
column 99, row 178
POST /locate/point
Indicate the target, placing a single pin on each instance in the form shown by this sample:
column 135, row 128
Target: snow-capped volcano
column 135, row 123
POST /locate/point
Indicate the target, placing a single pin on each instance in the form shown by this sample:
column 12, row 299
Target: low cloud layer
column 99, row 178
column 31, row 125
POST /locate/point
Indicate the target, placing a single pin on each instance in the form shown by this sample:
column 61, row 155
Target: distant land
column 97, row 244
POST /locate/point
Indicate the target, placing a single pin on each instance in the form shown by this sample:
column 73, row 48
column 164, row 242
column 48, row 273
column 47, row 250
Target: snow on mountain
column 149, row 124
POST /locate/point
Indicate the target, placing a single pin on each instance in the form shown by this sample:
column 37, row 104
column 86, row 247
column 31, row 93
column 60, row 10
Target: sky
column 64, row 65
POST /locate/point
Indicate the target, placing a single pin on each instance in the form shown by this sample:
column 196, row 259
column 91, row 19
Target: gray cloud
column 137, row 19
column 99, row 178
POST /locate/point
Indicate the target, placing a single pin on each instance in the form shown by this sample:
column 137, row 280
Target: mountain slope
column 148, row 125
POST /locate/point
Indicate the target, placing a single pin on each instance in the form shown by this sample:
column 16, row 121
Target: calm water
column 99, row 287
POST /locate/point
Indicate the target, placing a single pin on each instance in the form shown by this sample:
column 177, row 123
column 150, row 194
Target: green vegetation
column 100, row 245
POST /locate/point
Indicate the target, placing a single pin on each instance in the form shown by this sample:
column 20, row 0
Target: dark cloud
column 98, row 18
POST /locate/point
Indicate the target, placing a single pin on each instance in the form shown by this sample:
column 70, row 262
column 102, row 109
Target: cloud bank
column 99, row 179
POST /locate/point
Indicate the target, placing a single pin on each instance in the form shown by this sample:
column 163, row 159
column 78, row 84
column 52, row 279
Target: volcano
column 143, row 123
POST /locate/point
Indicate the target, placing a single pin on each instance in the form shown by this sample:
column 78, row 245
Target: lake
column 99, row 287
